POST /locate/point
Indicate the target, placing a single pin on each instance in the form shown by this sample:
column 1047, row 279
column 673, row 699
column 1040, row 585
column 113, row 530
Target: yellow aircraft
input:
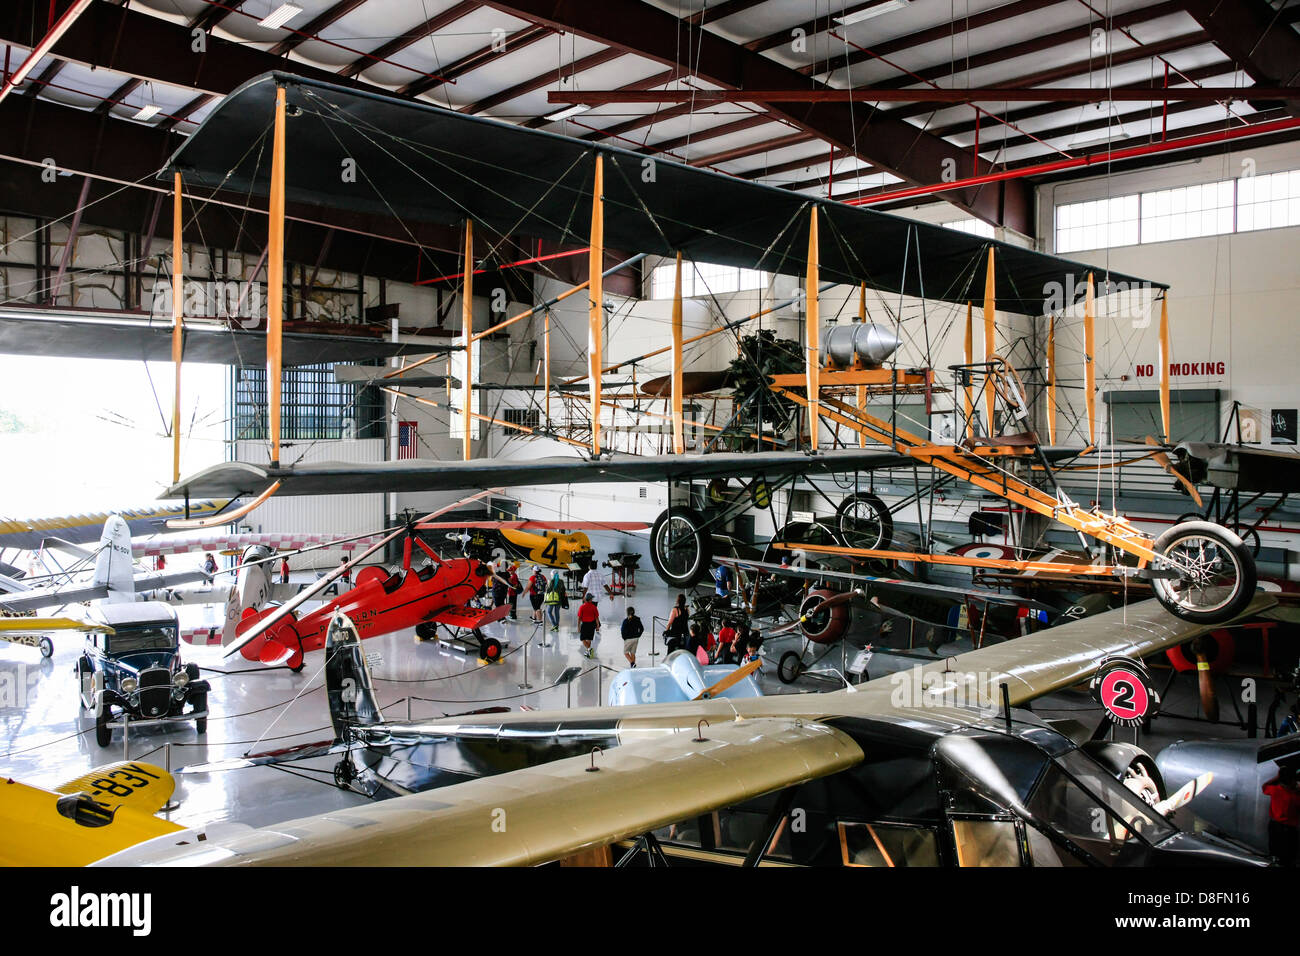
column 31, row 631
column 546, row 543
column 104, row 811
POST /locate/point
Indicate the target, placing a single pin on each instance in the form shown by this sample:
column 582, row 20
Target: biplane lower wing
column 551, row 811
column 57, row 597
column 335, row 478
column 938, row 591
column 471, row 617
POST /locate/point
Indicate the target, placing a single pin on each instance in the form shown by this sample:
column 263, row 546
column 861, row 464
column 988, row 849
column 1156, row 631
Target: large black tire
column 103, row 733
column 863, row 521
column 200, row 702
column 1224, row 573
column 490, row 649
column 789, row 667
column 681, row 551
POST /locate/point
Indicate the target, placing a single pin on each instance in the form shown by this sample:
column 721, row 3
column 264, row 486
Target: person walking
column 555, row 599
column 536, row 594
column 209, row 566
column 593, row 582
column 632, row 629
column 284, row 571
column 588, row 624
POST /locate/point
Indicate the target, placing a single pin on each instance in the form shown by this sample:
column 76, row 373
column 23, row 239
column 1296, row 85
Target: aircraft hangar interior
column 757, row 433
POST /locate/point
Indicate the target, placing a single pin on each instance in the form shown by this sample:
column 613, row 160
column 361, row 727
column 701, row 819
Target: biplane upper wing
column 541, row 813
column 29, row 534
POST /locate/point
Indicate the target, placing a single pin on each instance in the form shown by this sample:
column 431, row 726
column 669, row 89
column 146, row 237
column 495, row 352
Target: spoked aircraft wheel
column 863, row 521
column 679, row 547
column 1216, row 573
column 790, row 667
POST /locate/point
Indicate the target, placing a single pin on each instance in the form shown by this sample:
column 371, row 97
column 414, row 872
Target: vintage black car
column 135, row 673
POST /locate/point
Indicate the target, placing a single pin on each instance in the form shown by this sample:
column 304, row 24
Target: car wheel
column 103, row 733
column 200, row 702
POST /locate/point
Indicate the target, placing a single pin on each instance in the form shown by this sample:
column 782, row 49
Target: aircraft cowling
column 829, row 625
column 280, row 644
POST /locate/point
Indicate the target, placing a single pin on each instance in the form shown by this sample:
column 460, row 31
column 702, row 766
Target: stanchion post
column 524, row 685
column 126, row 735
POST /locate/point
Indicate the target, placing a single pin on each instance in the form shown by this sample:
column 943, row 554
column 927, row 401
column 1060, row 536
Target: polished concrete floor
column 45, row 738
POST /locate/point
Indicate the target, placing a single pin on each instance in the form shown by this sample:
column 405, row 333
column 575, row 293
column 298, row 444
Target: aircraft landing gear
column 790, row 667
column 344, row 774
column 1215, row 573
column 489, row 648
column 680, row 549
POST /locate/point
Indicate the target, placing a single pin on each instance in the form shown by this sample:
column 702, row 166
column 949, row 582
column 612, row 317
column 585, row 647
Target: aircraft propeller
column 1162, row 459
column 735, row 677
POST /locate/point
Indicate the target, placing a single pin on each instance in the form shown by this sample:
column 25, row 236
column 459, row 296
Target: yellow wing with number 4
column 106, row 810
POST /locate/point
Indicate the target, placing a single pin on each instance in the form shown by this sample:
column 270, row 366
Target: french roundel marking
column 1125, row 695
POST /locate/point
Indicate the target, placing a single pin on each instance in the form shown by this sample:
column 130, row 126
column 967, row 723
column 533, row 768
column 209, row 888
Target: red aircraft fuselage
column 380, row 603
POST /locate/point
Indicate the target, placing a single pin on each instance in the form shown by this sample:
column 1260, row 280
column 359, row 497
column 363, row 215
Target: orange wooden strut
column 467, row 337
column 812, row 332
column 596, row 316
column 679, row 428
column 275, row 279
column 178, row 332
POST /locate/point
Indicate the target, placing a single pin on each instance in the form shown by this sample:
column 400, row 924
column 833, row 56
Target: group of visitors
column 730, row 645
column 548, row 596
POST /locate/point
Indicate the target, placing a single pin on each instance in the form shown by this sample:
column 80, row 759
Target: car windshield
column 148, row 637
column 1079, row 799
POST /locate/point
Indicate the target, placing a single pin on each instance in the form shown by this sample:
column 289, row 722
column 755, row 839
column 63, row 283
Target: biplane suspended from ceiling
column 436, row 165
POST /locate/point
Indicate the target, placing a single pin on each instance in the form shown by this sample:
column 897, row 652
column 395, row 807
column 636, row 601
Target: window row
column 1185, row 212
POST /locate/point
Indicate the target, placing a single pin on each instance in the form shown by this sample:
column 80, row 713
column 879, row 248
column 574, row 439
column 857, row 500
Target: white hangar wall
column 1232, row 297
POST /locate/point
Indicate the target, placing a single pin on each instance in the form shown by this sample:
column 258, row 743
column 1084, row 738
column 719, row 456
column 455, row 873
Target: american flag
column 408, row 438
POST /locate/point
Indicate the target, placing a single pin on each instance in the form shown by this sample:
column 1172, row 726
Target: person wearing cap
column 536, row 593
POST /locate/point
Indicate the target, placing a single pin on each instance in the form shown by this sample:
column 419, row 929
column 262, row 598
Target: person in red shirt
column 1283, row 815
column 284, row 571
column 588, row 624
column 726, row 635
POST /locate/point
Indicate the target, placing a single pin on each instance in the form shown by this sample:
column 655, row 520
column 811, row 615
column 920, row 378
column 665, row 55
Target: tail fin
column 113, row 567
column 347, row 678
column 252, row 589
